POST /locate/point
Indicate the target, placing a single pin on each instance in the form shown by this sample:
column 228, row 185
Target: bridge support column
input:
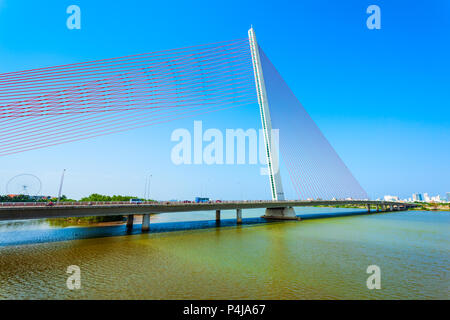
column 368, row 207
column 391, row 207
column 146, row 222
column 217, row 215
column 239, row 216
column 378, row 208
column 130, row 220
column 286, row 213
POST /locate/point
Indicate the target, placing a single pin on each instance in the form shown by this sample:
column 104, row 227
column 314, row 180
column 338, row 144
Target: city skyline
column 421, row 197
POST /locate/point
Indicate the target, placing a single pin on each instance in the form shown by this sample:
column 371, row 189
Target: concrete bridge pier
column 239, row 216
column 378, row 208
column 218, row 216
column 146, row 222
column 368, row 208
column 286, row 213
column 391, row 207
column 130, row 220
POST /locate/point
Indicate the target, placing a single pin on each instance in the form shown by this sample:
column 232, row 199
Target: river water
column 186, row 256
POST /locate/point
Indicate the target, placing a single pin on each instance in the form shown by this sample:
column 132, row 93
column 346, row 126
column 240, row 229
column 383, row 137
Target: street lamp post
column 147, row 187
column 60, row 186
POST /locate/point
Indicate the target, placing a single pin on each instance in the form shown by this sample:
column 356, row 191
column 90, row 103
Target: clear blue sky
column 381, row 97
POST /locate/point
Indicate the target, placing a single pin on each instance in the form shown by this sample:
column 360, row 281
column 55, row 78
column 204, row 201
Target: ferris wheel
column 24, row 184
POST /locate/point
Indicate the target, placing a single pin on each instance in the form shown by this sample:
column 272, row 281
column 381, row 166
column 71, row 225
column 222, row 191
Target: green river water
column 322, row 258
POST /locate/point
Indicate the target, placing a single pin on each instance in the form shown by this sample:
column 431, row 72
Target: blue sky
column 381, row 97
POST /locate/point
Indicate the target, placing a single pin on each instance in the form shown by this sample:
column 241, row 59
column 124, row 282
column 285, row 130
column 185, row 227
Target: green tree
column 100, row 197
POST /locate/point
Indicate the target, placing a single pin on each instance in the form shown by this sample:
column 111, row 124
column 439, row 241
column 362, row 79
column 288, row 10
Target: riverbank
column 420, row 207
column 432, row 207
column 87, row 222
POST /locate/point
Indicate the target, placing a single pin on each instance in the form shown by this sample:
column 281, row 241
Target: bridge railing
column 168, row 203
column 89, row 203
column 81, row 203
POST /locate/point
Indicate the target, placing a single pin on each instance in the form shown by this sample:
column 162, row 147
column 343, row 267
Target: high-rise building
column 426, row 197
column 448, row 196
column 417, row 197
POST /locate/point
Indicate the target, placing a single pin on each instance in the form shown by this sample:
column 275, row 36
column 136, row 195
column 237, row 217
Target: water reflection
column 49, row 230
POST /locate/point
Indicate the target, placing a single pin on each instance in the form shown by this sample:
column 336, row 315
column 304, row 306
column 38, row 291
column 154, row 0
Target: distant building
column 436, row 198
column 390, row 198
column 448, row 196
column 417, row 197
column 36, row 198
column 40, row 197
column 426, row 197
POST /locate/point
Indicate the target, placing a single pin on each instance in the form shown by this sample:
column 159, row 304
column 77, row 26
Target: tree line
column 92, row 197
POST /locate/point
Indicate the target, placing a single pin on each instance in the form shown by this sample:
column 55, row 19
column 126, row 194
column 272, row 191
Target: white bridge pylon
column 273, row 162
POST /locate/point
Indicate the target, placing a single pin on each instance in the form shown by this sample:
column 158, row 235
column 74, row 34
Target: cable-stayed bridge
column 275, row 209
column 49, row 106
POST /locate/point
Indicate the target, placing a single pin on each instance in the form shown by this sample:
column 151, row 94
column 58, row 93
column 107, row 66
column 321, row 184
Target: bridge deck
column 36, row 210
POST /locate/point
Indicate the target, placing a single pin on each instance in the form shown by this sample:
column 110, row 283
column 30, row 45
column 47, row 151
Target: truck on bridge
column 201, row 200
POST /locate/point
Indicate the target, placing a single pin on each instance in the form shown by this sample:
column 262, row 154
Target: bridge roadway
column 41, row 210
